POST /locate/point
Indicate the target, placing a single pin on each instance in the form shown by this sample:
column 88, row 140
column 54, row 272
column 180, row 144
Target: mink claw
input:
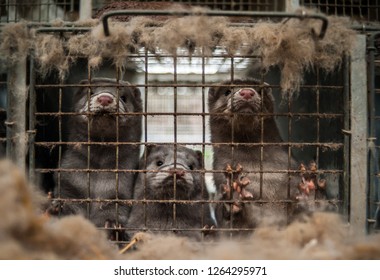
column 235, row 188
column 115, row 232
column 313, row 166
column 311, row 184
column 54, row 206
column 246, row 195
column 236, row 208
column 226, row 190
column 208, row 230
column 322, row 183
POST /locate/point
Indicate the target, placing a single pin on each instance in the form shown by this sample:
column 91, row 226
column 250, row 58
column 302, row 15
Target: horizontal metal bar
column 363, row 27
column 154, row 114
column 163, row 85
column 62, row 29
column 332, row 145
column 174, row 201
column 303, row 15
column 211, row 171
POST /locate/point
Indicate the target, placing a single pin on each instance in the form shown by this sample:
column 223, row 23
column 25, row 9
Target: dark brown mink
column 106, row 117
column 241, row 113
column 175, row 185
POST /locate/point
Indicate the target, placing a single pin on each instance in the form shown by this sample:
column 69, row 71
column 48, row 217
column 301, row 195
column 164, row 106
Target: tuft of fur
column 322, row 236
column 28, row 234
column 16, row 42
column 50, row 55
column 190, row 33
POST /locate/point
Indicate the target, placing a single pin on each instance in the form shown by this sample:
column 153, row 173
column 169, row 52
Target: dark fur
column 103, row 128
column 245, row 126
column 163, row 169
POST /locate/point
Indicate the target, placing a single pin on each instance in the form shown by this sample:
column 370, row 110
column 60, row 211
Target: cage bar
column 359, row 119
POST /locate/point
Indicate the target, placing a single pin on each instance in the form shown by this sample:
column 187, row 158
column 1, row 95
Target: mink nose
column 105, row 100
column 247, row 93
column 178, row 172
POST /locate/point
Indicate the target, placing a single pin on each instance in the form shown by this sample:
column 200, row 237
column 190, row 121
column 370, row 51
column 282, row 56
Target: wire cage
column 43, row 11
column 359, row 10
column 318, row 144
column 174, row 93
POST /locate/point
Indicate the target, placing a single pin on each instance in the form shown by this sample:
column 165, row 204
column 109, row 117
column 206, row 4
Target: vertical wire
column 290, row 142
column 318, row 120
column 145, row 133
column 203, row 186
column 88, row 140
column 117, row 150
column 175, row 91
column 233, row 116
column 32, row 120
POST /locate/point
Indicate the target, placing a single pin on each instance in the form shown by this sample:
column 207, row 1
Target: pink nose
column 179, row 172
column 247, row 93
column 105, row 100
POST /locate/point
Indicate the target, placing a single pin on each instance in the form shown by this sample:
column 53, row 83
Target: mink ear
column 136, row 93
column 211, row 91
column 78, row 91
column 137, row 99
column 149, row 148
column 85, row 81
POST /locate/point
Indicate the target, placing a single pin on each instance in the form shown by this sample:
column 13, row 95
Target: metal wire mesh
column 43, row 11
column 38, row 11
column 360, row 10
column 174, row 94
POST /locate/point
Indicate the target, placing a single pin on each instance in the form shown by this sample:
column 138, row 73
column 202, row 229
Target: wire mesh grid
column 43, row 11
column 38, row 10
column 359, row 10
column 174, row 92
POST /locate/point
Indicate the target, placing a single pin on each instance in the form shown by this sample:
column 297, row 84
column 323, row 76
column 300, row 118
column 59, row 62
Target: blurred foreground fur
column 323, row 236
column 25, row 233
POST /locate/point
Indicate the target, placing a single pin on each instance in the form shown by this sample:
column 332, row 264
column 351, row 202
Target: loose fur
column 291, row 44
column 27, row 234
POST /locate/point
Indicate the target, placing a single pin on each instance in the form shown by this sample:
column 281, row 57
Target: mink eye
column 191, row 167
column 159, row 163
column 228, row 92
column 124, row 98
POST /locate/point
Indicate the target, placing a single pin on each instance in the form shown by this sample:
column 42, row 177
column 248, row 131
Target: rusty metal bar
column 331, row 145
column 311, row 115
column 177, row 85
